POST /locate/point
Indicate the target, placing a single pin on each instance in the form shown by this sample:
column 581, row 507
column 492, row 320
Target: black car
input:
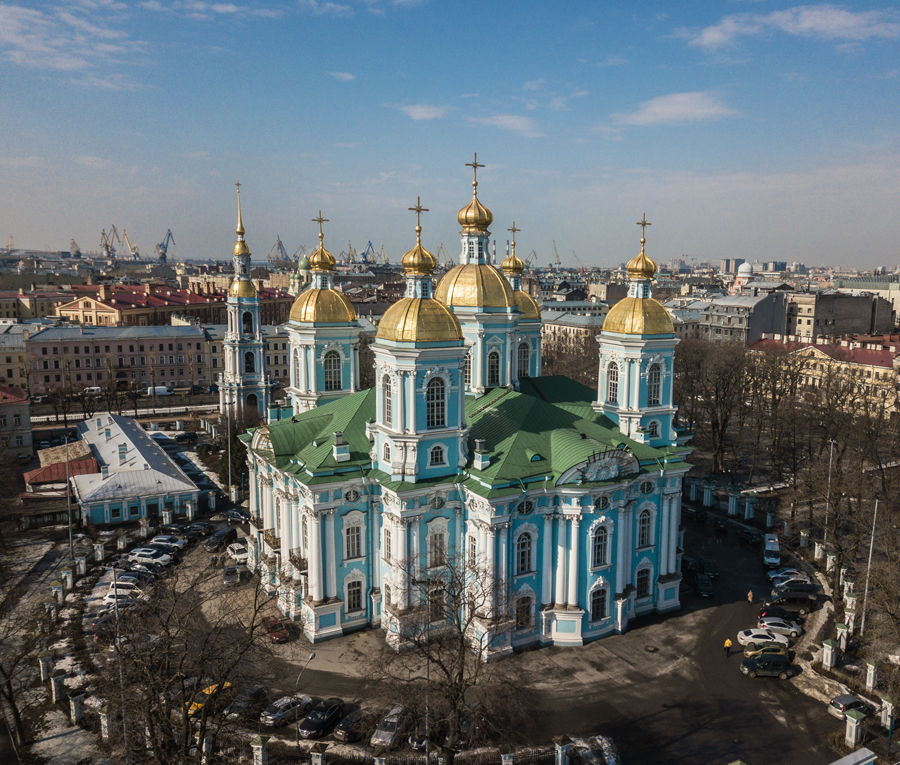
column 688, row 564
column 778, row 612
column 321, row 717
column 767, row 665
column 148, row 567
column 186, row 437
column 195, row 390
column 750, row 536
column 170, row 550
column 203, row 527
column 238, row 514
column 794, row 602
column 247, row 704
column 351, row 727
column 720, row 526
column 695, row 514
column 709, row 567
column 213, row 388
column 702, row 586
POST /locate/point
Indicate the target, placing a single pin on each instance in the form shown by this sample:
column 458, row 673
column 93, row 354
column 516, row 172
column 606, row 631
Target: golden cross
column 320, row 220
column 514, row 230
column 474, row 165
column 418, row 210
column 238, row 184
column 643, row 224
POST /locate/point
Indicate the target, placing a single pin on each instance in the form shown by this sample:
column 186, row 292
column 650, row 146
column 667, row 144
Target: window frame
column 332, row 373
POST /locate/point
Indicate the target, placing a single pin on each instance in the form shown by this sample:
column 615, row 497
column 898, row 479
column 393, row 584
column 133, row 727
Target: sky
column 759, row 130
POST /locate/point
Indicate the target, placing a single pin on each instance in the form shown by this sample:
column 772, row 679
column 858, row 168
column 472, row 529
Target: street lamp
column 862, row 624
column 832, row 442
column 296, row 685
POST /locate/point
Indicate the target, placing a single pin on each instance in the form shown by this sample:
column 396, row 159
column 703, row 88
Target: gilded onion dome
column 638, row 316
column 513, row 265
column 317, row 306
column 640, row 266
column 418, row 260
column 242, row 289
column 527, row 305
column 475, row 285
column 321, row 260
column 474, row 217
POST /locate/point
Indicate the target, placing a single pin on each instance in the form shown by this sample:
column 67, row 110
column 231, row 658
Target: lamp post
column 121, row 676
column 862, row 623
column 832, row 442
column 296, row 685
column 424, row 584
column 69, row 501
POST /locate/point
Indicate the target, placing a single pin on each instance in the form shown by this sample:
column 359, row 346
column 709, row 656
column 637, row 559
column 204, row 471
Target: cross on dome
column 320, row 220
column 474, row 165
column 643, row 223
column 418, row 210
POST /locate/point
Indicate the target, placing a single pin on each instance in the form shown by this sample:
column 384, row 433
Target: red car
column 276, row 631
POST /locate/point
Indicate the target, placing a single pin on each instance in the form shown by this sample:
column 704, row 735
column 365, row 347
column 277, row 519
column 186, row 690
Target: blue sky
column 762, row 130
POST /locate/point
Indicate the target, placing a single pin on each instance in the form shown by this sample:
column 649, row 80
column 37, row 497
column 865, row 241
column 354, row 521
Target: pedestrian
column 727, row 647
column 214, row 561
column 750, row 597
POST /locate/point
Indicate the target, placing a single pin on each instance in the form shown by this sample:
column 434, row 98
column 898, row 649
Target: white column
column 573, row 562
column 412, row 401
column 286, row 529
column 312, row 369
column 478, row 362
column 461, row 389
column 491, row 573
column 620, row 551
column 637, row 384
column 663, row 543
column 547, row 556
column 674, row 512
column 625, row 384
column 560, row 598
column 510, row 355
column 254, row 490
column 315, row 556
column 352, row 370
column 629, row 543
column 302, row 382
column 402, row 546
column 537, row 350
column 401, row 400
column 503, row 558
column 295, row 523
column 330, row 555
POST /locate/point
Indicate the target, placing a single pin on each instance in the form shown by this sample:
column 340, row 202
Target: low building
column 15, row 422
column 743, row 318
column 13, row 364
column 831, row 313
column 137, row 479
column 561, row 330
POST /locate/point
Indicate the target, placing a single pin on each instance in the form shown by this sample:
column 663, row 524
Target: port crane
column 579, row 261
column 10, row 244
column 531, row 258
column 445, row 257
column 162, row 249
column 74, row 249
column 130, row 248
column 300, row 253
column 277, row 252
column 558, row 265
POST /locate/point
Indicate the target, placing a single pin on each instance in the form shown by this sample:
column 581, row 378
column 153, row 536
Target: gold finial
column 418, row 210
column 474, row 165
column 320, row 220
column 514, row 230
column 643, row 224
column 240, row 224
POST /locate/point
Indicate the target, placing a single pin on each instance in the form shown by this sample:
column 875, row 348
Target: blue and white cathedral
column 567, row 499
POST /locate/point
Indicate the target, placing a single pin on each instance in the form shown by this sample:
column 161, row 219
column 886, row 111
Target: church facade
column 565, row 499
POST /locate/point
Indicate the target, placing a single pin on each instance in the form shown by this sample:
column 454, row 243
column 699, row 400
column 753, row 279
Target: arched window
column 436, row 404
column 653, row 429
column 468, row 369
column 437, row 456
column 386, row 553
column 524, row 359
column 437, row 549
column 643, row 583
column 493, row 375
column 249, row 362
column 612, row 384
column 332, row 366
column 523, row 553
column 247, row 323
column 523, row 613
column 599, row 547
column 644, row 529
column 598, row 604
column 387, row 452
column 388, row 400
column 653, row 385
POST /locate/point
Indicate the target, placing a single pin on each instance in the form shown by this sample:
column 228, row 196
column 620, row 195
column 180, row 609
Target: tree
column 61, row 399
column 239, row 473
column 133, row 394
column 88, row 402
column 457, row 615
column 18, row 646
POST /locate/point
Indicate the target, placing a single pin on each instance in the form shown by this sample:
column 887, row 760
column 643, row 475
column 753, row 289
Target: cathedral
column 566, row 500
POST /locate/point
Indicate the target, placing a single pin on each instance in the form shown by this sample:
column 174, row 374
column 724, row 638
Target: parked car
column 703, row 586
column 391, row 729
column 187, row 437
column 220, row 539
column 231, row 576
column 766, row 650
column 688, row 564
column 169, row 540
column 350, row 728
column 119, row 598
column 756, row 637
column 286, row 709
column 840, row 705
column 695, row 514
column 709, row 567
column 146, row 567
column 805, row 587
column 213, row 388
column 777, row 612
column 276, row 631
column 145, row 555
column 321, row 717
column 781, row 582
column 173, row 551
column 204, row 527
column 780, row 626
column 795, row 602
column 237, row 551
column 768, row 666
column 195, row 390
column 750, row 536
column 782, row 571
column 720, row 525
column 217, row 693
column 247, row 701
column 237, row 515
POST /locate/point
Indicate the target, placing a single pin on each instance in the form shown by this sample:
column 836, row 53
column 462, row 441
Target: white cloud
column 424, row 111
column 343, row 76
column 676, row 108
column 95, row 162
column 523, row 126
column 534, row 84
column 326, row 8
column 821, row 22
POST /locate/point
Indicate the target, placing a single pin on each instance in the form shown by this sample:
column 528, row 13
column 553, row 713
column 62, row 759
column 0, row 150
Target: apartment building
column 832, row 313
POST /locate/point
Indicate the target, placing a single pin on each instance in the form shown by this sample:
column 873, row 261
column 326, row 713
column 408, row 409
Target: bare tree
column 61, row 400
column 87, row 402
column 18, row 649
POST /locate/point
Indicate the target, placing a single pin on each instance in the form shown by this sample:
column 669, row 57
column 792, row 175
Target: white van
column 94, row 390
column 771, row 551
column 159, row 390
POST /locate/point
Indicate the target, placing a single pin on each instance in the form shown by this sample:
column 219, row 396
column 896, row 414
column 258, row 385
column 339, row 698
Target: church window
column 249, row 362
column 436, row 405
column 523, row 554
column 523, row 613
column 600, row 547
column 524, row 359
column 387, row 544
column 436, row 456
column 248, row 323
column 437, row 549
column 493, row 368
column 387, row 594
column 598, row 604
column 612, row 384
column 332, row 366
column 653, row 385
column 644, row 529
column 643, row 583
column 468, row 368
column 471, row 251
column 387, row 452
column 473, row 550
column 480, row 249
column 388, row 396
column 305, row 536
column 353, row 541
column 354, row 596
column 653, row 429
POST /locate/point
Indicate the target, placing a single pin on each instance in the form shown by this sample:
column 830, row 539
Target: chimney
column 340, row 451
column 482, row 457
column 104, row 292
column 148, row 290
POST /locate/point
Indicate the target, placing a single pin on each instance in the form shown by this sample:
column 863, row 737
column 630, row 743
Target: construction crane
column 383, row 256
column 445, row 257
column 162, row 249
column 10, row 244
column 348, row 256
column 578, row 261
column 277, row 252
column 558, row 265
column 113, row 236
column 531, row 258
column 104, row 244
column 74, row 249
column 130, row 248
column 300, row 253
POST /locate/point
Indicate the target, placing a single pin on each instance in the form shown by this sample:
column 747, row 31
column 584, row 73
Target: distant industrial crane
column 74, row 249
column 579, row 261
column 131, row 249
column 10, row 244
column 277, row 252
column 558, row 265
column 300, row 253
column 348, row 256
column 383, row 256
column 162, row 249
column 113, row 236
column 104, row 244
column 369, row 255
column 531, row 258
column 445, row 257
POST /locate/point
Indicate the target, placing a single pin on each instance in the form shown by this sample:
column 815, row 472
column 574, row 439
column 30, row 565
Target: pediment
column 607, row 465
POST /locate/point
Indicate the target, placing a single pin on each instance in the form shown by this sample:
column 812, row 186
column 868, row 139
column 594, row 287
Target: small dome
column 322, row 307
column 527, row 305
column 513, row 265
column 321, row 260
column 303, row 265
column 474, row 216
column 419, row 261
column 641, row 267
column 745, row 269
column 419, row 320
column 240, row 247
column 242, row 288
column 475, row 285
column 638, row 316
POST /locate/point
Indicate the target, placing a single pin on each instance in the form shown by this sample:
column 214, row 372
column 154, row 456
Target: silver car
column 780, row 626
column 391, row 729
column 286, row 709
column 231, row 576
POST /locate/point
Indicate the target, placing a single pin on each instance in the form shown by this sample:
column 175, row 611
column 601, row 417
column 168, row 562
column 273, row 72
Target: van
column 800, row 603
column 771, row 551
column 805, row 588
column 220, row 539
column 159, row 390
column 94, row 390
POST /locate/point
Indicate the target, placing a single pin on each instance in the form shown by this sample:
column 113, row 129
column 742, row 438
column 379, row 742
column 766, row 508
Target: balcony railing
column 273, row 541
column 301, row 564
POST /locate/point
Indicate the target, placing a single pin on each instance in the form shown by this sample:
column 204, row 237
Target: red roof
column 56, row 472
column 865, row 356
column 13, row 396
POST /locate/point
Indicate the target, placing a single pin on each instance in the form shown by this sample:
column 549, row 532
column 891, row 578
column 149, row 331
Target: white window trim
column 355, row 576
column 600, row 584
column 355, row 519
column 440, row 526
column 444, row 462
column 595, row 527
column 531, row 529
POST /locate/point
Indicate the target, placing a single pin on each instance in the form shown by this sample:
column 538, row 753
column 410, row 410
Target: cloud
column 326, row 8
column 424, row 111
column 534, row 84
column 523, row 126
column 820, row 22
column 95, row 162
column 676, row 108
column 611, row 60
column 343, row 76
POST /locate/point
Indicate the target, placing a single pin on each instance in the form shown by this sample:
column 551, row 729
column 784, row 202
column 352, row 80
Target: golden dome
column 242, row 288
column 419, row 320
column 418, row 261
column 513, row 265
column 475, row 285
column 641, row 267
column 527, row 305
column 638, row 316
column 317, row 306
column 474, row 217
column 321, row 260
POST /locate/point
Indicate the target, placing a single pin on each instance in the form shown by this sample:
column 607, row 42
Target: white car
column 758, row 637
column 778, row 581
column 121, row 597
column 786, row 570
column 149, row 555
column 780, row 626
column 169, row 540
column 237, row 551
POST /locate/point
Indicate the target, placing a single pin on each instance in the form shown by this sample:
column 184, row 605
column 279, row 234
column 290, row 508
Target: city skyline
column 763, row 131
